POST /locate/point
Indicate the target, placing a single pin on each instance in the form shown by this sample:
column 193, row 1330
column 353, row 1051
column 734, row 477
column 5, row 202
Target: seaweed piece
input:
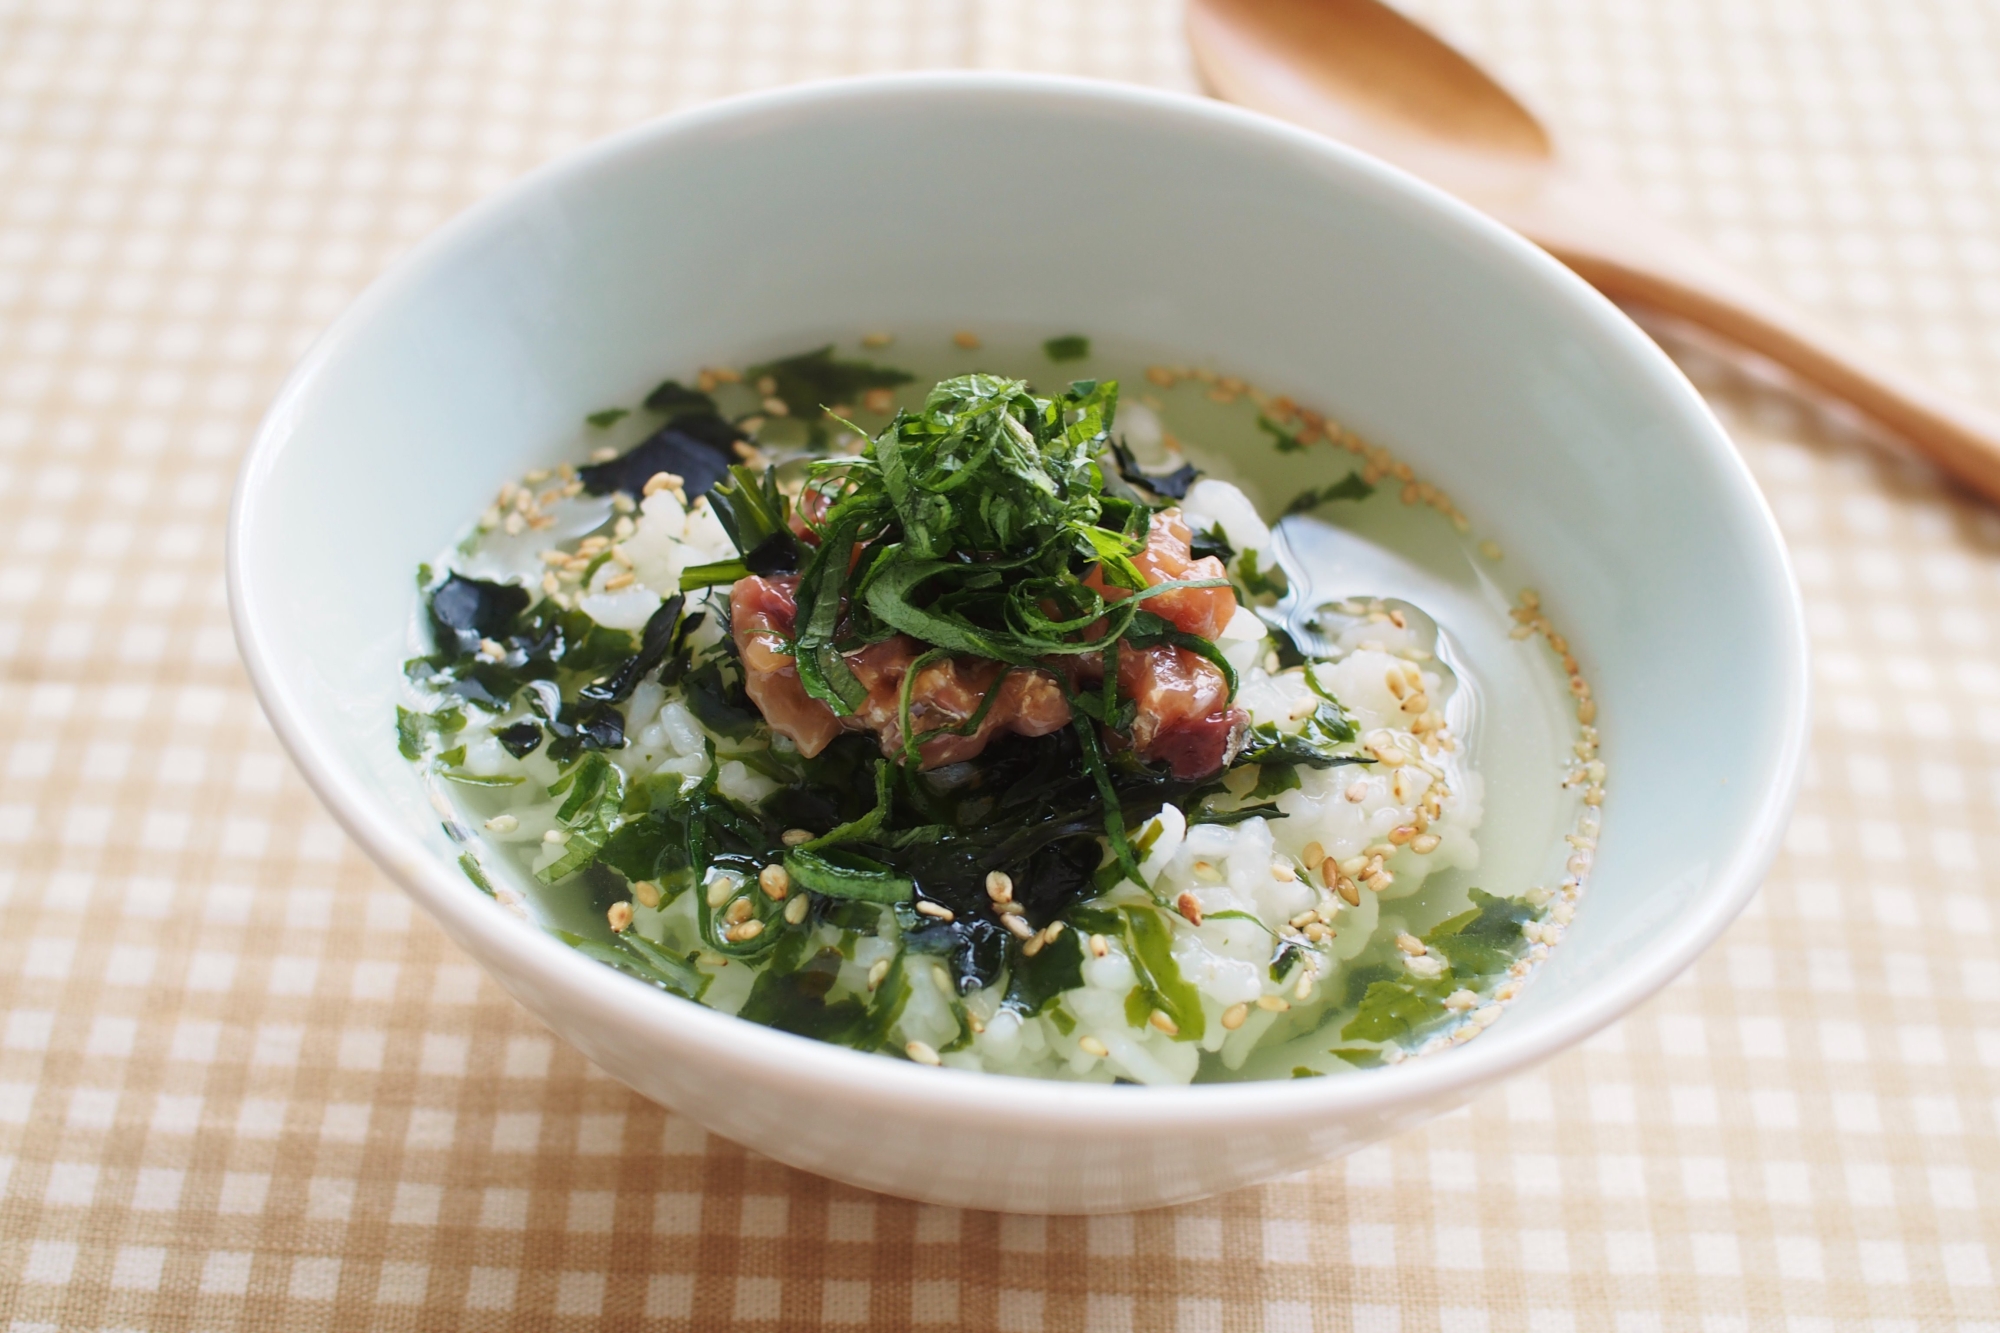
column 1361, row 1057
column 697, row 447
column 1285, row 441
column 1057, row 875
column 1481, row 941
column 1392, row 1009
column 1353, row 486
column 812, row 380
column 795, row 1002
column 1069, row 347
column 672, row 398
column 463, row 611
column 1168, row 485
column 1212, row 543
column 414, row 728
column 1150, row 941
column 974, row 949
column 595, row 791
column 656, row 640
column 1036, row 981
column 721, row 705
column 610, row 416
column 637, row 849
column 520, row 738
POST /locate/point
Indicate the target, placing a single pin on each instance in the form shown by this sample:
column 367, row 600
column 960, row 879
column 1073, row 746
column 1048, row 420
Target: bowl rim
column 765, row 1058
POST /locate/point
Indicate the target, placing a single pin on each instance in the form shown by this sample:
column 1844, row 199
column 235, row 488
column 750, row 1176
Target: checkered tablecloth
column 242, row 1086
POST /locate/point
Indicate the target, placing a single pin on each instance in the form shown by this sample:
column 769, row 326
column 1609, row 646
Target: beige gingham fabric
column 242, row 1086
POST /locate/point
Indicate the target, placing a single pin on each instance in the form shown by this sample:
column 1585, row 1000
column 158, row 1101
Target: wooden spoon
column 1359, row 71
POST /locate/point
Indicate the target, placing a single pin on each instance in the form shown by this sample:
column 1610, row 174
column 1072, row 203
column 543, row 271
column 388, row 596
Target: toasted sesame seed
column 1164, row 1023
column 921, row 1053
column 796, row 909
column 1009, row 908
column 622, row 502
column 1304, row 918
column 966, row 339
column 1411, row 945
column 1276, row 1004
column 662, row 481
column 502, row 824
column 775, row 881
column 722, row 890
column 877, row 339
column 999, row 886
column 879, row 401
column 1460, row 1000
column 647, row 892
column 1018, row 926
column 1401, row 834
column 1304, row 989
column 938, row 910
column 1357, row 791
column 1099, row 946
column 877, row 973
column 1233, row 1016
column 1313, row 855
column 1189, row 906
column 556, row 837
column 1424, row 843
column 1488, row 1016
column 739, row 911
column 619, row 915
column 796, row 837
column 619, row 581
column 746, row 930
column 1092, row 1046
column 1349, row 892
column 1284, row 873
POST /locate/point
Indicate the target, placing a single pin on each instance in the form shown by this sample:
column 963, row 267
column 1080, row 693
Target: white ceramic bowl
column 758, row 224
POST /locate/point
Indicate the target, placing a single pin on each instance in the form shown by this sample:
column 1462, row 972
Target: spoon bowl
column 1359, row 71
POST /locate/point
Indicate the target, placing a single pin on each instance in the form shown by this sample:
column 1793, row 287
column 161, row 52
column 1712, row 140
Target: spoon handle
column 1640, row 260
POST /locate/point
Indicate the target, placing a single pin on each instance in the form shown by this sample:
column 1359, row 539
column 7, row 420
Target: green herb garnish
column 1069, row 347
